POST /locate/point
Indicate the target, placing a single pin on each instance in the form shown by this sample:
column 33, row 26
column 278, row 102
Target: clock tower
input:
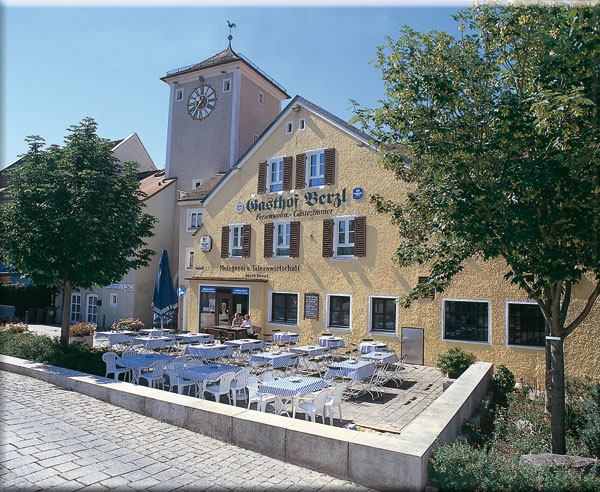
column 217, row 108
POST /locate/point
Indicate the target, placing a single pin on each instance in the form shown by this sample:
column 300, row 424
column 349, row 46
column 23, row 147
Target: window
column 301, row 124
column 189, row 258
column 235, row 241
column 75, row 308
column 383, row 314
column 289, row 127
column 261, row 98
column 91, row 314
column 526, row 325
column 196, row 183
column 344, row 237
column 339, row 311
column 284, row 308
column 282, row 239
column 113, row 300
column 466, row 321
column 226, row 85
column 275, row 174
column 194, row 219
column 179, row 95
column 315, row 168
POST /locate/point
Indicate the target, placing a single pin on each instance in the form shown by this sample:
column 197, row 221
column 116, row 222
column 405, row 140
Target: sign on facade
column 311, row 306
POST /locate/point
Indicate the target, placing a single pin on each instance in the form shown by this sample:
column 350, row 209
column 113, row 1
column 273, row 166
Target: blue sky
column 62, row 64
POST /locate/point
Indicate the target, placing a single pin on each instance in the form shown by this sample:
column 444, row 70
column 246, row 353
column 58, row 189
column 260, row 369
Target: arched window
column 75, row 308
column 91, row 313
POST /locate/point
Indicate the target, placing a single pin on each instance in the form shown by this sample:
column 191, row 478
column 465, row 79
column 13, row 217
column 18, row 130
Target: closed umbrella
column 164, row 300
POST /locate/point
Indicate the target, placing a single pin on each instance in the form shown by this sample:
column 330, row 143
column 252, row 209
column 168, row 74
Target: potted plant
column 82, row 333
column 128, row 324
column 454, row 361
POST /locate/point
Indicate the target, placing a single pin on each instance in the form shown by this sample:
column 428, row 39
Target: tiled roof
column 151, row 185
column 203, row 190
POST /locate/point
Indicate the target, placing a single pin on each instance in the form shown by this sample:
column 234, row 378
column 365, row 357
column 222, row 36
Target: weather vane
column 231, row 26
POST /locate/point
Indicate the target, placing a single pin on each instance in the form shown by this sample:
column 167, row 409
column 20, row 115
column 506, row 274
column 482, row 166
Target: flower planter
column 88, row 340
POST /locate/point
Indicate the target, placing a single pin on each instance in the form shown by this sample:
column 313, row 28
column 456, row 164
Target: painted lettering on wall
column 291, row 204
column 258, row 271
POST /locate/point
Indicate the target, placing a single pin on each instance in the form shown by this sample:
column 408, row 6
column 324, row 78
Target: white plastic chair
column 238, row 385
column 267, row 376
column 254, row 396
column 222, row 387
column 155, row 375
column 313, row 407
column 110, row 359
column 173, row 370
column 129, row 353
column 334, row 400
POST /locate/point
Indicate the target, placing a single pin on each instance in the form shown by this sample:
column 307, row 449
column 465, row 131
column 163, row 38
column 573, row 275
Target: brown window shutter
column 360, row 236
column 329, row 166
column 262, row 177
column 269, row 239
column 246, row 240
column 327, row 238
column 295, row 239
column 287, row 173
column 300, row 171
column 225, row 242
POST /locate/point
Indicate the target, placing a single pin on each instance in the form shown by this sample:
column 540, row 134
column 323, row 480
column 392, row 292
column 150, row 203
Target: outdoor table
column 138, row 362
column 285, row 336
column 209, row 352
column 309, row 350
column 380, row 357
column 275, row 359
column 327, row 341
column 152, row 332
column 238, row 331
column 154, row 342
column 356, row 370
column 115, row 337
column 291, row 386
column 366, row 347
column 246, row 344
column 195, row 337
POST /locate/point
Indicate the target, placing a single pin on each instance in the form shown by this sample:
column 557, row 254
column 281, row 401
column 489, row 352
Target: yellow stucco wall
column 373, row 275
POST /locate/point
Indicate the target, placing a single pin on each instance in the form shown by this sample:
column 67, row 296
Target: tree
column 75, row 217
column 496, row 131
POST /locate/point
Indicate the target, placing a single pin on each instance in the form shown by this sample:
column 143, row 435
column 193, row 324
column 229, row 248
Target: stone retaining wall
column 377, row 461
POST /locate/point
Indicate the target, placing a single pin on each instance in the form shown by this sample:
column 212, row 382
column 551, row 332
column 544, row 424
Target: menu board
column 311, row 306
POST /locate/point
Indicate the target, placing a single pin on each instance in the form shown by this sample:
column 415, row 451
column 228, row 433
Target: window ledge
column 338, row 328
column 472, row 342
column 280, row 258
column 384, row 334
column 344, row 258
column 527, row 347
column 287, row 325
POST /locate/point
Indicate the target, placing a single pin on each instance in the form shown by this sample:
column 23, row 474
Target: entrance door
column 223, row 309
column 413, row 345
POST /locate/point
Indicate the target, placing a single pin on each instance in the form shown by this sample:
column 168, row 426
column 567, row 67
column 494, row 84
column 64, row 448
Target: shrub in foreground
column 454, row 361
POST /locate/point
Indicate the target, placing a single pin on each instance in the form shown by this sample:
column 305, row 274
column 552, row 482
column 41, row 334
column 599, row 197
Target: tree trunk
column 558, row 397
column 548, row 375
column 66, row 313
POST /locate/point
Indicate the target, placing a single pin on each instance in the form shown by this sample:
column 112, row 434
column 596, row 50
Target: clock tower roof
column 225, row 56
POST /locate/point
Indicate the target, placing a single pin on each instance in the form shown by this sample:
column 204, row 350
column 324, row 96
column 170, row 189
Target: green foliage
column 454, row 361
column 75, row 213
column 128, row 324
column 503, row 384
column 461, row 467
column 41, row 348
column 81, row 329
column 25, row 297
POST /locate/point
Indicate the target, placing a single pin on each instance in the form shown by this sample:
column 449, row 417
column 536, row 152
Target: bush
column 128, row 324
column 461, row 467
column 455, row 361
column 41, row 348
column 81, row 329
column 14, row 327
column 590, row 429
column 503, row 384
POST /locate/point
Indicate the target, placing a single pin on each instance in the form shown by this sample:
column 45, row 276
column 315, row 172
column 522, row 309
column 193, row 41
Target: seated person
column 237, row 320
column 247, row 324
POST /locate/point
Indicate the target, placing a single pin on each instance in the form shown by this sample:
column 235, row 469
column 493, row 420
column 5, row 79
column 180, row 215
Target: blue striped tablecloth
column 136, row 362
column 385, row 357
column 114, row 338
column 310, row 350
column 153, row 332
column 357, row 371
column 208, row 351
column 285, row 336
column 275, row 359
column 154, row 342
column 246, row 343
column 366, row 347
column 331, row 341
column 292, row 386
column 195, row 337
column 210, row 372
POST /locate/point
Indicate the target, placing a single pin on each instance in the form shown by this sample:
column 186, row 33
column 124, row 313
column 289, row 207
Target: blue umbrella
column 164, row 300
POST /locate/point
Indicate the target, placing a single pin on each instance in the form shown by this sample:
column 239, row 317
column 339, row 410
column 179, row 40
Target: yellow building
column 290, row 237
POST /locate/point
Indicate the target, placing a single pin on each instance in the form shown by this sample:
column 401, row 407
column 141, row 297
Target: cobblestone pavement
column 53, row 439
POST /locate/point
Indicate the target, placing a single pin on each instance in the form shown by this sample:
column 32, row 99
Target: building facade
column 289, row 236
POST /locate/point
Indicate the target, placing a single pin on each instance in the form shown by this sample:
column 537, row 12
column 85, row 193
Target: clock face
column 201, row 102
